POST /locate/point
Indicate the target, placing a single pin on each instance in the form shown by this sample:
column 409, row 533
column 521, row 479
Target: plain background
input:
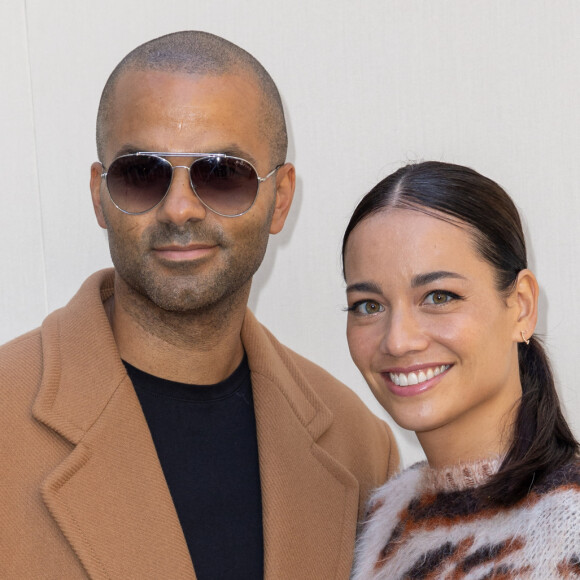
column 367, row 86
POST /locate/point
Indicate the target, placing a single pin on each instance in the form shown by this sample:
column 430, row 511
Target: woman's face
column 429, row 331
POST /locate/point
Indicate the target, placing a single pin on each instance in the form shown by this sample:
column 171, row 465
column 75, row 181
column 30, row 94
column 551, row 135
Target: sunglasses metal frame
column 198, row 156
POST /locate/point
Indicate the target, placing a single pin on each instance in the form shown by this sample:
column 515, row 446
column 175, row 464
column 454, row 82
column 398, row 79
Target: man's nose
column 403, row 334
column 181, row 204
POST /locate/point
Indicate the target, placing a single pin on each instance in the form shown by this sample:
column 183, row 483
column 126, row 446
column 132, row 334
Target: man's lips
column 176, row 252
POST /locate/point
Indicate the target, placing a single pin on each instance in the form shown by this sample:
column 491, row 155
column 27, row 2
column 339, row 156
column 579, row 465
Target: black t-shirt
column 205, row 436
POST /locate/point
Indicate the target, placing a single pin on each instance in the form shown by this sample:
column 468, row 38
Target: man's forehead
column 185, row 99
column 181, row 112
column 152, row 81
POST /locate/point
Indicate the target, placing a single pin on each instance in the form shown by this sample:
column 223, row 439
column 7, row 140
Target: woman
column 441, row 312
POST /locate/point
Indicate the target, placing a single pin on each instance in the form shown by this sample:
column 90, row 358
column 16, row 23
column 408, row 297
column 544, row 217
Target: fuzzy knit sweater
column 425, row 524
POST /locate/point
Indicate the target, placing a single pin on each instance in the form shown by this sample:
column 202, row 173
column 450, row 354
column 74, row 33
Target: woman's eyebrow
column 364, row 287
column 424, row 279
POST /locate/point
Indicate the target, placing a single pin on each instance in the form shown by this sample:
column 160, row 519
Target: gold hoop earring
column 526, row 340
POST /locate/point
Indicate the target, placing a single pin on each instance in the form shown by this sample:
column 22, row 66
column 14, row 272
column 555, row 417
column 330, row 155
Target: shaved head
column 199, row 53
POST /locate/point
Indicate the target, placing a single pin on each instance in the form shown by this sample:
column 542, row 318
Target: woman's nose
column 403, row 334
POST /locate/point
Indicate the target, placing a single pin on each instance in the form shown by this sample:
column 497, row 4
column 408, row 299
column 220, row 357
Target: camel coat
column 83, row 493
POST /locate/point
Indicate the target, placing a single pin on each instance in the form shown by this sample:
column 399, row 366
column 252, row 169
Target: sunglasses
column 226, row 185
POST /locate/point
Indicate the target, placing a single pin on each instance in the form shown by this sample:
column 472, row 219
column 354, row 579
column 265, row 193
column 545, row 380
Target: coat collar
column 109, row 496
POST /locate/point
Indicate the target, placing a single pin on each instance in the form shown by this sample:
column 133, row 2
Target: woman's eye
column 440, row 297
column 366, row 307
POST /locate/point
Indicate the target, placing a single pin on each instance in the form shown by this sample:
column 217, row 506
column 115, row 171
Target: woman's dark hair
column 542, row 440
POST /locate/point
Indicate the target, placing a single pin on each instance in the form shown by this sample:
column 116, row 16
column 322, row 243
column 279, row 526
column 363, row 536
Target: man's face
column 180, row 255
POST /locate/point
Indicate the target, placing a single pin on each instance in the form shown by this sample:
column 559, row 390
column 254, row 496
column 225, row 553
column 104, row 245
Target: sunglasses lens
column 227, row 185
column 138, row 183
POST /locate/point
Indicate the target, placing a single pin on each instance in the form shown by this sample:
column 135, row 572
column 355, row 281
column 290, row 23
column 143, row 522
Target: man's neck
column 202, row 347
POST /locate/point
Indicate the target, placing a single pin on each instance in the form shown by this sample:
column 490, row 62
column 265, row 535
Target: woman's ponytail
column 542, row 440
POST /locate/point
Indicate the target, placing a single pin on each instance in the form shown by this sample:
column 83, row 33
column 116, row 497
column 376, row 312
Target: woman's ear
column 525, row 300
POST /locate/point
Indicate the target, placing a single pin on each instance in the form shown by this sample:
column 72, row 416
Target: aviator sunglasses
column 226, row 185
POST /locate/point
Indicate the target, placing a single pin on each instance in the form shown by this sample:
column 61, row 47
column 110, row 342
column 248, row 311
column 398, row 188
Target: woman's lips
column 418, row 376
column 414, row 380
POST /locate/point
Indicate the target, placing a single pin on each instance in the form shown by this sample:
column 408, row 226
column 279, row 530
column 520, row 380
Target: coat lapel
column 109, row 496
column 310, row 501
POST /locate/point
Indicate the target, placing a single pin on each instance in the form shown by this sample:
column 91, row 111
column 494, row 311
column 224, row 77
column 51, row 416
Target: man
column 153, row 426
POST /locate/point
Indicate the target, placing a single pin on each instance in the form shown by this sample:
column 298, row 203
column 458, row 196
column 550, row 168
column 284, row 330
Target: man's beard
column 186, row 287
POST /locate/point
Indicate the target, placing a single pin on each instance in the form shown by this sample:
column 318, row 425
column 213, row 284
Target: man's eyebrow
column 364, row 287
column 126, row 150
column 231, row 149
column 424, row 279
column 234, row 151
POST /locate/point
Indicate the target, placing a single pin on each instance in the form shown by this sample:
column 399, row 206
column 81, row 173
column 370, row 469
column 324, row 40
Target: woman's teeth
column 408, row 379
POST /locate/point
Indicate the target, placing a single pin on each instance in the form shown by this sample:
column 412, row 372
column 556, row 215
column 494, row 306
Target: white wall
column 367, row 85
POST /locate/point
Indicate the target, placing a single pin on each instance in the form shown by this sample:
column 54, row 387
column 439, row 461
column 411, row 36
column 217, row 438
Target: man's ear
column 96, row 170
column 285, row 184
column 525, row 297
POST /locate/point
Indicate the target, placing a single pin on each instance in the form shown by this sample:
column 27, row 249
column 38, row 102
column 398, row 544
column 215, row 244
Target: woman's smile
column 402, row 379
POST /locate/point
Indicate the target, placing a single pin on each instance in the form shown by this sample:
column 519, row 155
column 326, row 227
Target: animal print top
column 427, row 524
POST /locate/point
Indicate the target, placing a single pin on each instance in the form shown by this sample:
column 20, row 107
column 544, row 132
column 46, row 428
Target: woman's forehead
column 410, row 242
